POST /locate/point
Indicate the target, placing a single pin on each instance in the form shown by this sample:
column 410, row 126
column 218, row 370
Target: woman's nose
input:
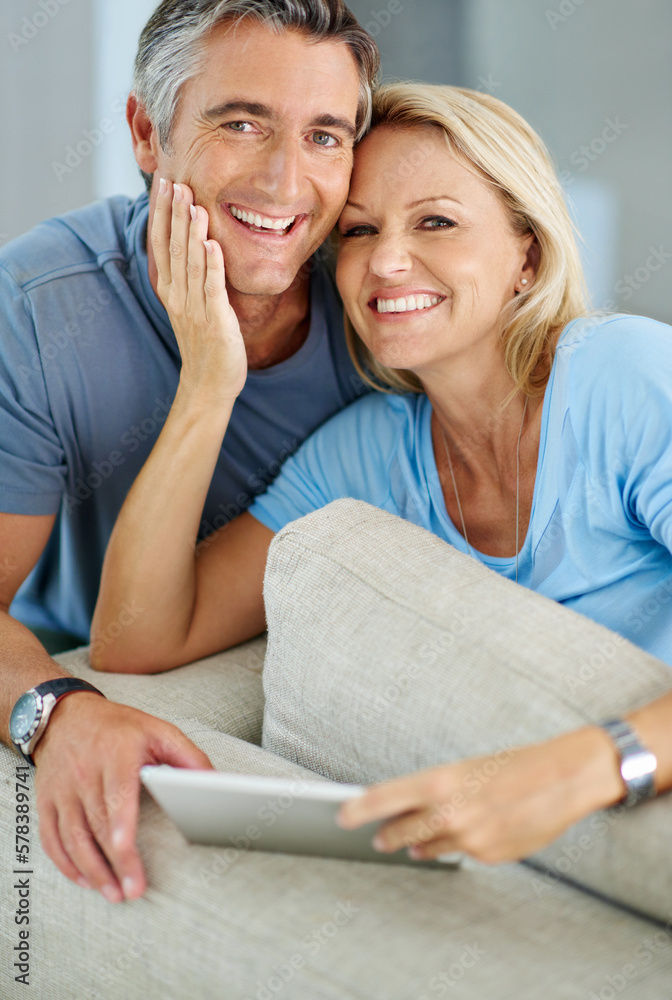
column 390, row 256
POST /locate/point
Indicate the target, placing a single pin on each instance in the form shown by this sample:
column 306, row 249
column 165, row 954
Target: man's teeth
column 410, row 304
column 260, row 221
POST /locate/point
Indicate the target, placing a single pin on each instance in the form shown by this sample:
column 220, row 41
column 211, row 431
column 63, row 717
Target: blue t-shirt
column 89, row 366
column 600, row 533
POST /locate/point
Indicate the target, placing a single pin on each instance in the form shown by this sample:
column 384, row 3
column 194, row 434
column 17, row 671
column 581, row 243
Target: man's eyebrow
column 333, row 121
column 235, row 107
column 257, row 110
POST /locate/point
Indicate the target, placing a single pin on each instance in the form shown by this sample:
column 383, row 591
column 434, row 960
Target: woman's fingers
column 160, row 235
column 391, row 798
column 217, row 307
column 196, row 265
column 179, row 247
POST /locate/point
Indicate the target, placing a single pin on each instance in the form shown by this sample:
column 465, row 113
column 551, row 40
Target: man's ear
column 143, row 135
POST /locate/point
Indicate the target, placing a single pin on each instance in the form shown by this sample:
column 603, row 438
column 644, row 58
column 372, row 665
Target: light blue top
column 600, row 533
column 89, row 366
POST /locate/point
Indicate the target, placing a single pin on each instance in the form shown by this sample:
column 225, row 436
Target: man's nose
column 390, row 256
column 279, row 173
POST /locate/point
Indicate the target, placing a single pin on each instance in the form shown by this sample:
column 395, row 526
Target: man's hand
column 87, row 788
column 498, row 808
column 191, row 283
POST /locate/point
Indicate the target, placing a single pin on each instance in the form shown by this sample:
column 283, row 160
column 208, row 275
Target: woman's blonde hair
column 491, row 138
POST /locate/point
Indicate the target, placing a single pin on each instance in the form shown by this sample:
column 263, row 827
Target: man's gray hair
column 170, row 48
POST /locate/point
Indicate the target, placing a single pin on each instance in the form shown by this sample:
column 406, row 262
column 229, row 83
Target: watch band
column 49, row 694
column 637, row 764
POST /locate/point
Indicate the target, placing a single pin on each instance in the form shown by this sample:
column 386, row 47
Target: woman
column 521, row 437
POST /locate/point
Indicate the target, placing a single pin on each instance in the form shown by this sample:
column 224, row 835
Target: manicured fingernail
column 179, row 194
column 111, row 894
column 208, row 246
column 128, row 886
column 415, row 852
column 379, row 842
column 118, row 837
column 194, row 212
column 163, row 186
column 82, row 881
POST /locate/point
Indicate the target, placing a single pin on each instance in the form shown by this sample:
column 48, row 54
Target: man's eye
column 324, row 139
column 437, row 222
column 237, row 126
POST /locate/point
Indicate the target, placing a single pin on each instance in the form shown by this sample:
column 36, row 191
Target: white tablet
column 248, row 812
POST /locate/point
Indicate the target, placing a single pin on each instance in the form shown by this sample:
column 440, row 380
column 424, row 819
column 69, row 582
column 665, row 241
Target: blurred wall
column 46, row 73
column 595, row 79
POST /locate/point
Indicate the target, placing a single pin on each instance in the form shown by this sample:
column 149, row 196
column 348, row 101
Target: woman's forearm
column 150, row 565
column 149, row 595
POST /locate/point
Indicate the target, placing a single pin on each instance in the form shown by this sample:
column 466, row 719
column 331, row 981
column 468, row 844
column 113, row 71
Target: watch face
column 23, row 717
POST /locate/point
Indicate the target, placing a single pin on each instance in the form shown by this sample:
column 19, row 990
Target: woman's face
column 427, row 256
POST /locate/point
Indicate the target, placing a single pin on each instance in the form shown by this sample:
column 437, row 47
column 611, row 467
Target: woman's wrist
column 600, row 784
column 202, row 404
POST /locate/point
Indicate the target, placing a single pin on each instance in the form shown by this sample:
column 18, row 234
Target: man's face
column 264, row 136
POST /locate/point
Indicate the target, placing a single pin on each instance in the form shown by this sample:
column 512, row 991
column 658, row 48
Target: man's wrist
column 64, row 716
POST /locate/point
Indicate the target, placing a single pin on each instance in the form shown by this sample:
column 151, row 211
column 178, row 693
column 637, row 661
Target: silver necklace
column 457, row 495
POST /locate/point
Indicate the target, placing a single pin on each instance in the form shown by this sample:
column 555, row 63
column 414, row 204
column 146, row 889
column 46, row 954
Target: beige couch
column 388, row 651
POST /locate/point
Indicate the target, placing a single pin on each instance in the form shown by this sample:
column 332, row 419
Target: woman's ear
column 531, row 263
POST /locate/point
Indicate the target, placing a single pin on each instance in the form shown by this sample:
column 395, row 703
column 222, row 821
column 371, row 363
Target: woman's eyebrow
column 413, row 204
column 441, row 197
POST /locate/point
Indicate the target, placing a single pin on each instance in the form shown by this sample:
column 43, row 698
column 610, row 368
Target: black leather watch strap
column 64, row 685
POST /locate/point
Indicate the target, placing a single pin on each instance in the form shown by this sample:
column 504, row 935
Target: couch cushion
column 224, row 691
column 389, row 651
column 224, row 923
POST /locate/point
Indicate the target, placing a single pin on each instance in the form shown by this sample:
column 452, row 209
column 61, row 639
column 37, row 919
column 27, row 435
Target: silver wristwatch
column 31, row 712
column 638, row 765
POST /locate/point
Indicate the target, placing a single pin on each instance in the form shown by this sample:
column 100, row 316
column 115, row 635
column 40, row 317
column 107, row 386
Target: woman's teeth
column 260, row 222
column 410, row 304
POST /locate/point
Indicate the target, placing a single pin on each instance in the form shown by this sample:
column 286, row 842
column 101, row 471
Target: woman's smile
column 389, row 302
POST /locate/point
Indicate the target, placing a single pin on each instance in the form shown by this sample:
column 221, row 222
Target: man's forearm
column 25, row 663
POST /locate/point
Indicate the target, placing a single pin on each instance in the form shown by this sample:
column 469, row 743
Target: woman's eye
column 437, row 222
column 324, row 139
column 357, row 231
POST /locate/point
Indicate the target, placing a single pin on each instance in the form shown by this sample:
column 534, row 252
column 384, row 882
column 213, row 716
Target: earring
column 523, row 281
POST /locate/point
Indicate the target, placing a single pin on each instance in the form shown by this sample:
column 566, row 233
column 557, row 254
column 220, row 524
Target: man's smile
column 265, row 225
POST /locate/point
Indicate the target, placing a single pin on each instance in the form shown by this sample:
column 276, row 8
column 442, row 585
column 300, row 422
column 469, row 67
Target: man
column 254, row 106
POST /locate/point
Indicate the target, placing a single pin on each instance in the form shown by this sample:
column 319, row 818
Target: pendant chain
column 457, row 495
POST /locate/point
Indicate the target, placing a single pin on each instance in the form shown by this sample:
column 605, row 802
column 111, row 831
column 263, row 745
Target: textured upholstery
column 389, row 651
column 224, row 692
column 221, row 923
